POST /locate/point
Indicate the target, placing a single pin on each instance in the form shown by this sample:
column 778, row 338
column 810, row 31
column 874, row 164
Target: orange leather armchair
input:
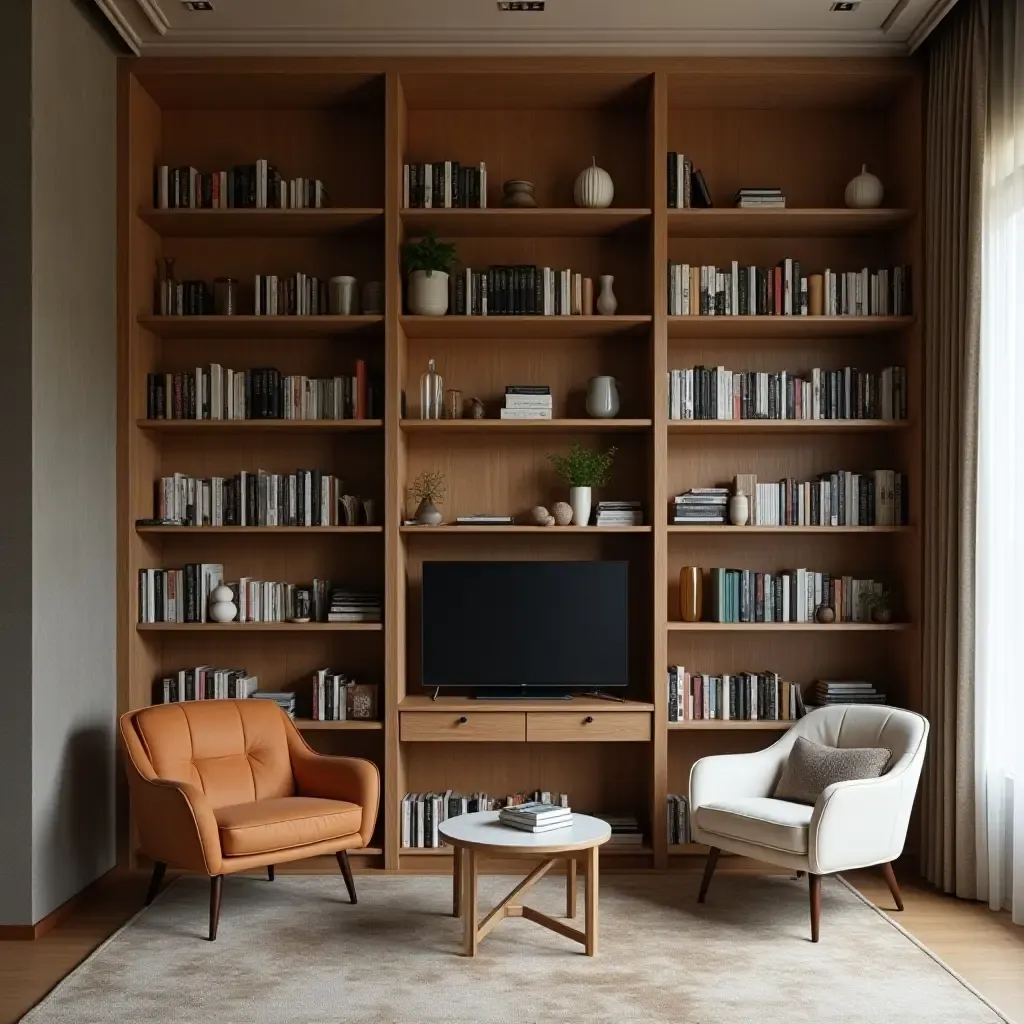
column 229, row 785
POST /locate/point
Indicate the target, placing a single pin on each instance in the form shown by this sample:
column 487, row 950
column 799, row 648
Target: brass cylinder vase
column 691, row 593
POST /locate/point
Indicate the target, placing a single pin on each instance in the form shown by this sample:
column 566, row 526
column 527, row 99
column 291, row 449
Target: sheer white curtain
column 999, row 658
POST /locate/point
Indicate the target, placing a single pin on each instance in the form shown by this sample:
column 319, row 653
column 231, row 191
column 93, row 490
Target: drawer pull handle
column 463, row 720
column 588, row 720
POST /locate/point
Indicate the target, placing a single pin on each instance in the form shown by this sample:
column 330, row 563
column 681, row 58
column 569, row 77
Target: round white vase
column 594, row 187
column 579, row 500
column 602, row 397
column 864, row 192
column 222, row 604
column 428, row 293
column 739, row 509
column 606, row 301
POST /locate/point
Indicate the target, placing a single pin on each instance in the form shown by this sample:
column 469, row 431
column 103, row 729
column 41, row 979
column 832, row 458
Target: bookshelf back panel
column 870, row 354
column 548, row 147
column 342, row 146
column 484, row 369
column 814, row 254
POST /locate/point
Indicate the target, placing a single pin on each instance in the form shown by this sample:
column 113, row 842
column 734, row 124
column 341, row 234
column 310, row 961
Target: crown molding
column 157, row 18
column 122, row 25
column 928, row 24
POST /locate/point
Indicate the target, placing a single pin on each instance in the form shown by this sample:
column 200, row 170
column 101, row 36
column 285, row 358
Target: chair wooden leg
column 346, row 873
column 815, row 887
column 216, row 884
column 709, row 870
column 890, row 880
column 154, row 883
column 270, row 872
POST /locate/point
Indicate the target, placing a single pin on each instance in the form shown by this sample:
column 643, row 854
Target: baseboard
column 29, row 932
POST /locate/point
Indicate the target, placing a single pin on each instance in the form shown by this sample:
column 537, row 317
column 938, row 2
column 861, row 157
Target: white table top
column 482, row 830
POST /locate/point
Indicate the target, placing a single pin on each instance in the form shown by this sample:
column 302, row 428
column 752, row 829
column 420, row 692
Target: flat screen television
column 527, row 629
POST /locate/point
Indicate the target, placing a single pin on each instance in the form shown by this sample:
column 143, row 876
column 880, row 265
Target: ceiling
column 595, row 27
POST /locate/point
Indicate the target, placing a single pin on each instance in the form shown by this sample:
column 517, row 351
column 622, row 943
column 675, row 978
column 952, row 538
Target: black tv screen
column 525, row 624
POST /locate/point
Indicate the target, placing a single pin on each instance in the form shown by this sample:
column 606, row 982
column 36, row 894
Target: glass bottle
column 431, row 393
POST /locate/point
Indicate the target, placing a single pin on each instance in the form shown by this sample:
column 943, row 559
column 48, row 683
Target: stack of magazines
column 536, row 817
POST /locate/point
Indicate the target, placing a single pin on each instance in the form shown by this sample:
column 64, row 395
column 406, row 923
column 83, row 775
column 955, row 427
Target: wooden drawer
column 588, row 726
column 467, row 726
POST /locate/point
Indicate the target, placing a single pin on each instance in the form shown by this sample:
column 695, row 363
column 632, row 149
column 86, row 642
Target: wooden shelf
column 713, row 724
column 733, row 531
column 259, row 627
column 763, row 328
column 537, row 223
column 261, row 223
column 251, row 328
column 421, row 702
column 687, row 849
column 788, row 223
column 784, row 426
column 246, row 530
column 284, row 426
column 482, row 328
column 554, row 530
column 313, row 725
column 790, row 627
column 523, row 426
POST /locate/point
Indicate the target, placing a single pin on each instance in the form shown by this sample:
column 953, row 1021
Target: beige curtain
column 955, row 121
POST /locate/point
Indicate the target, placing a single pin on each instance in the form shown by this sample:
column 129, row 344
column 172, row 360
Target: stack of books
column 625, row 829
column 484, row 519
column 354, row 606
column 701, row 505
column 760, row 198
column 619, row 513
column 527, row 402
column 285, row 701
column 828, row 692
column 678, row 820
column 536, row 817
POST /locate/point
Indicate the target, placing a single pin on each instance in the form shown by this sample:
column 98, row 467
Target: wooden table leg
column 591, row 909
column 570, row 887
column 457, row 853
column 469, row 909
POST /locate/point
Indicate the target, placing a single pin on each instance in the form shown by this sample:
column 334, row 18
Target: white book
column 528, row 401
column 526, row 414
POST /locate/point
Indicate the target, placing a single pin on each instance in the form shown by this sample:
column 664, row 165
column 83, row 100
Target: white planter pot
column 579, row 499
column 428, row 293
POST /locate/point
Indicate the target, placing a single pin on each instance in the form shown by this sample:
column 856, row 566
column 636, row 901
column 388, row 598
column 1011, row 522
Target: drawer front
column 467, row 726
column 588, row 726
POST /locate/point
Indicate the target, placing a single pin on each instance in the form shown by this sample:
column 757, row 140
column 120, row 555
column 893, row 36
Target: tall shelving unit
column 802, row 124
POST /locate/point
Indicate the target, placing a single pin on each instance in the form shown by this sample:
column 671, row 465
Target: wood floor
column 985, row 948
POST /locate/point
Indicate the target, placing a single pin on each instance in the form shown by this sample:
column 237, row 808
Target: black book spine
column 673, row 179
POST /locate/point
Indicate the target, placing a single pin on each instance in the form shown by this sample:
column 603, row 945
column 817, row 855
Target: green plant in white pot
column 583, row 470
column 428, row 262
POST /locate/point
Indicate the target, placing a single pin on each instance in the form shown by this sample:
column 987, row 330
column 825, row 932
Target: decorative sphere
column 594, row 187
column 824, row 614
column 222, row 604
column 562, row 511
column 550, row 521
column 539, row 515
column 864, row 192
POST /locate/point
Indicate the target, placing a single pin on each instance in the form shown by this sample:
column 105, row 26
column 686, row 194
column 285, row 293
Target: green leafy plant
column 581, row 467
column 880, row 601
column 429, row 254
column 429, row 487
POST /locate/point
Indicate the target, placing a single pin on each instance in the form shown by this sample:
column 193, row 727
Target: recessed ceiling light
column 198, row 5
column 520, row 5
column 847, row 5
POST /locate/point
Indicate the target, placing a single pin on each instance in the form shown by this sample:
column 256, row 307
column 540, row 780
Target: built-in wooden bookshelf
column 804, row 125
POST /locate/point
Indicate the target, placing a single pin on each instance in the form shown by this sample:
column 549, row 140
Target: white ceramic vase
column 580, row 499
column 222, row 604
column 594, row 187
column 739, row 509
column 602, row 397
column 428, row 293
column 606, row 301
column 865, row 191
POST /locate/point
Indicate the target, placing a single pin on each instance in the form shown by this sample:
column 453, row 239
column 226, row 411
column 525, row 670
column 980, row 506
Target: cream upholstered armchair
column 857, row 824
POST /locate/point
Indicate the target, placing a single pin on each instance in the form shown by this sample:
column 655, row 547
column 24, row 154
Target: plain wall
column 73, row 593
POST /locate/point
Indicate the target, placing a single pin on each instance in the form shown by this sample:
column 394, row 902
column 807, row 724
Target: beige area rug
column 295, row 951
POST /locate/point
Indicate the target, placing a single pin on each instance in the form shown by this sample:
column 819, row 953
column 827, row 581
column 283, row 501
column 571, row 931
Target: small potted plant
column 879, row 606
column 583, row 470
column 428, row 263
column 428, row 488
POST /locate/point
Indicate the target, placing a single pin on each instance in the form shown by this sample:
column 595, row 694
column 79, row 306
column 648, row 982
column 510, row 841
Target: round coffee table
column 474, row 835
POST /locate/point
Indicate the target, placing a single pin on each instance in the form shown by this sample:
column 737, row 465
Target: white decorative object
column 865, row 191
column 606, row 301
column 602, row 397
column 562, row 511
column 428, row 292
column 739, row 509
column 580, row 499
column 594, row 187
column 342, row 296
column 222, row 604
column 428, row 514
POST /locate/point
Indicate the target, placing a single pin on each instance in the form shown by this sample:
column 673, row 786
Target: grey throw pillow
column 812, row 768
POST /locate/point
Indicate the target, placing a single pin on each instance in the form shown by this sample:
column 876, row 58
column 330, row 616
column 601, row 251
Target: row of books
column 216, row 392
column 744, row 595
column 527, row 402
column 184, row 298
column 828, row 692
column 307, row 497
column 717, row 393
column 257, row 186
column 204, row 682
column 738, row 697
column 678, row 820
column 337, row 698
column 297, row 295
column 686, row 185
column 423, row 812
column 444, row 185
column 178, row 595
column 783, row 290
column 526, row 290
column 878, row 498
column 618, row 513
